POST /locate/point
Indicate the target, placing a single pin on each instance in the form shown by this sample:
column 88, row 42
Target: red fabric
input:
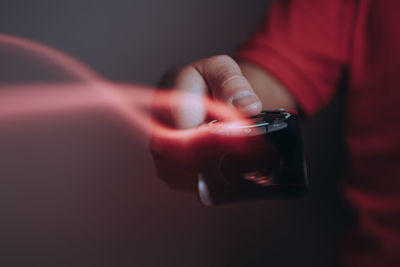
column 307, row 44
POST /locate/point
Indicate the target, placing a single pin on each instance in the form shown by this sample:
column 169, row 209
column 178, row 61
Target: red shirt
column 307, row 45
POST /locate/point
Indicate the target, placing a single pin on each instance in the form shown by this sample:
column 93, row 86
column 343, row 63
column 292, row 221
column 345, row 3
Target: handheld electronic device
column 271, row 165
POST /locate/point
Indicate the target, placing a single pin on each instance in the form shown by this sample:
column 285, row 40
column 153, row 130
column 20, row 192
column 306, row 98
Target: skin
column 242, row 85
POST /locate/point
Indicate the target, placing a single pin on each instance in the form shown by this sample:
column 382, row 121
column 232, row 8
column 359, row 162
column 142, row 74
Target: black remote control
column 271, row 166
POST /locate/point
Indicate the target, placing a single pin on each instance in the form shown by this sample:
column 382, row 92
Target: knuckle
column 222, row 59
column 229, row 79
column 189, row 71
column 186, row 70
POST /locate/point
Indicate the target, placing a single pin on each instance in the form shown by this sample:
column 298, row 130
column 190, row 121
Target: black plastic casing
column 272, row 168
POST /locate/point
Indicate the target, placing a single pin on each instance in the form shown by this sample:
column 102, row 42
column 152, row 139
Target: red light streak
column 131, row 102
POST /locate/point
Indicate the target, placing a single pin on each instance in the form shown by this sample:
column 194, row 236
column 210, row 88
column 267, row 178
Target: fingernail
column 244, row 99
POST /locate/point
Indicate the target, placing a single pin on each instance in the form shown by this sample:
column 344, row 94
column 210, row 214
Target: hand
column 219, row 77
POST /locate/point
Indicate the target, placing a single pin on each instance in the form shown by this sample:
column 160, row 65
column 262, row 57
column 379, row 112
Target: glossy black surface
column 271, row 166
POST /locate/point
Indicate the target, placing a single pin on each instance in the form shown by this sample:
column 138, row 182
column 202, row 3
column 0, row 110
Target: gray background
column 78, row 190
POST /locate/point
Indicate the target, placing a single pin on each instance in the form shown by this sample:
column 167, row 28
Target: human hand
column 219, row 77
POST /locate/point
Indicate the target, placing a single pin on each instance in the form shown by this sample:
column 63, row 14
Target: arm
column 304, row 44
column 244, row 86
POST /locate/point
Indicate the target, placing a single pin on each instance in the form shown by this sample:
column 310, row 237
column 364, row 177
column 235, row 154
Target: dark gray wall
column 88, row 196
column 134, row 40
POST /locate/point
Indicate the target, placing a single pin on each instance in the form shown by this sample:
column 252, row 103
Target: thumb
column 227, row 83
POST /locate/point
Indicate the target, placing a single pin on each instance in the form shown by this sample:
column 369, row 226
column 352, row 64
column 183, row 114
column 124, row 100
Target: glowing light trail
column 129, row 101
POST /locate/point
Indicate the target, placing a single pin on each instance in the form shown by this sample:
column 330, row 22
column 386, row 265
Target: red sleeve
column 305, row 44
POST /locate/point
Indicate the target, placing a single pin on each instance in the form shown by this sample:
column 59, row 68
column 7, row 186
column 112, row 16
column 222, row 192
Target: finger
column 188, row 109
column 226, row 82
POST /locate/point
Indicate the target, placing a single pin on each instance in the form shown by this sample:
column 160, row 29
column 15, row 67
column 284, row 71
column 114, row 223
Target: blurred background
column 79, row 190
